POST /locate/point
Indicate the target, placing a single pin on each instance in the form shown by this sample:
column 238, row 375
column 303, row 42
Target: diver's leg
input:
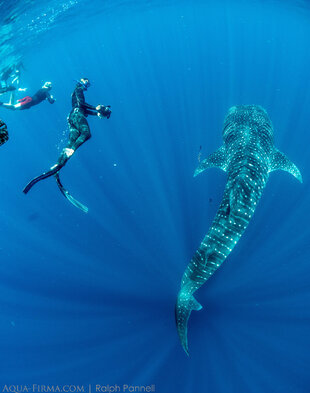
column 10, row 106
column 84, row 133
column 53, row 171
column 73, row 136
column 65, row 154
column 55, row 168
column 79, row 133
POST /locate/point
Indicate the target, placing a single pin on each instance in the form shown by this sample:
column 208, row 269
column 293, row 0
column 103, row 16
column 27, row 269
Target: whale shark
column 247, row 155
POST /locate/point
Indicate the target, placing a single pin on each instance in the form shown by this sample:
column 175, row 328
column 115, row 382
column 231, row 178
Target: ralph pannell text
column 124, row 388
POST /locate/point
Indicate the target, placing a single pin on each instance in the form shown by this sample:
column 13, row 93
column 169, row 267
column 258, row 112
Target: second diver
column 27, row 102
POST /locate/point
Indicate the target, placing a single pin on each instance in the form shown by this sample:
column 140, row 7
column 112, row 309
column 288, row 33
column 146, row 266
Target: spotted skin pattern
column 248, row 156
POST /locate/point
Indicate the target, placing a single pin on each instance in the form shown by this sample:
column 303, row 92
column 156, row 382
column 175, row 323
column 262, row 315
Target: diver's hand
column 103, row 111
column 99, row 109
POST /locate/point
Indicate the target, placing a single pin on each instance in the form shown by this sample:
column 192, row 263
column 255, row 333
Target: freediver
column 78, row 125
column 79, row 133
column 29, row 101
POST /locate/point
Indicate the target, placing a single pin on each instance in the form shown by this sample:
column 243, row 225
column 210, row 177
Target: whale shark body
column 247, row 155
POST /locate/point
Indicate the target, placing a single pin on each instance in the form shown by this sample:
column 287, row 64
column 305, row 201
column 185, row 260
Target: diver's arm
column 88, row 112
column 50, row 98
column 68, row 151
column 100, row 111
column 88, row 106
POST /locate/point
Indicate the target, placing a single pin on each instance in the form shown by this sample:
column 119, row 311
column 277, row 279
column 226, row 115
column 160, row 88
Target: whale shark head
column 249, row 118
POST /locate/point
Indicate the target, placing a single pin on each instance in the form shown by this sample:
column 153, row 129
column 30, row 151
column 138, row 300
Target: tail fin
column 183, row 308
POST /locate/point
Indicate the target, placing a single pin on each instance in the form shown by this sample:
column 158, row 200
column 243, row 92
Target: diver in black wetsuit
column 79, row 133
column 27, row 102
column 78, row 125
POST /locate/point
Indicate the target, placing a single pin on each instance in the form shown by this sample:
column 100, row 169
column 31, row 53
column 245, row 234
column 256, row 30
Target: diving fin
column 44, row 175
column 70, row 198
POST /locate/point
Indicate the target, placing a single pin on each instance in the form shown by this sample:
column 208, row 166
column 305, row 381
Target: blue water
column 89, row 299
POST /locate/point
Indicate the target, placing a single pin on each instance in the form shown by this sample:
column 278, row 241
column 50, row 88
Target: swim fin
column 44, row 175
column 70, row 198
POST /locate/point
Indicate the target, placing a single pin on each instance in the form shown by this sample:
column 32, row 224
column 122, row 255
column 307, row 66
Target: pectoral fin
column 216, row 159
column 280, row 161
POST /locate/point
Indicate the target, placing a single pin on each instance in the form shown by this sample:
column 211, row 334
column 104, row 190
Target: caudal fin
column 183, row 308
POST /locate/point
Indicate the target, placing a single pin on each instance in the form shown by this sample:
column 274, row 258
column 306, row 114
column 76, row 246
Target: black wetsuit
column 41, row 95
column 78, row 125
